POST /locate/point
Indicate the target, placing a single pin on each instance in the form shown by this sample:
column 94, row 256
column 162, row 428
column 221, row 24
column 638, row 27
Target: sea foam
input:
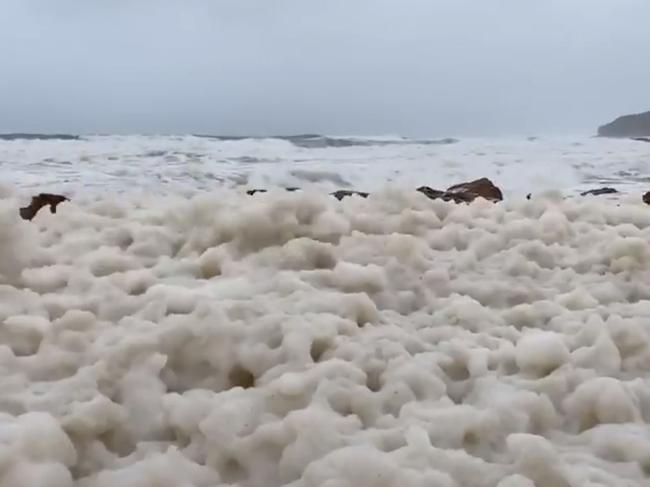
column 292, row 339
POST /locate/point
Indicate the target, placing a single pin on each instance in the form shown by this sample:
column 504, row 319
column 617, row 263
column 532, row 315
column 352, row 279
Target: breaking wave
column 27, row 136
column 313, row 141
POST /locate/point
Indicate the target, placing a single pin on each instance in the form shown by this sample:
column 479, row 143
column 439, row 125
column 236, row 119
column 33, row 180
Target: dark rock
column 641, row 139
column 480, row 187
column 459, row 193
column 646, row 198
column 637, row 125
column 253, row 191
column 39, row 201
column 599, row 191
column 431, row 193
column 342, row 193
column 436, row 194
column 465, row 192
column 339, row 195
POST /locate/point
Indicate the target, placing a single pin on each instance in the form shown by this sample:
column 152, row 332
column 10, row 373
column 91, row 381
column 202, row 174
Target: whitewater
column 166, row 329
column 160, row 164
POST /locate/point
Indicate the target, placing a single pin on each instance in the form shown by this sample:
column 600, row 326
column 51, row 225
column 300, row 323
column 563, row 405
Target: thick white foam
column 291, row 339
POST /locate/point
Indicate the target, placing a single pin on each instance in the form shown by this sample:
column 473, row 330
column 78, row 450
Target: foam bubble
column 292, row 339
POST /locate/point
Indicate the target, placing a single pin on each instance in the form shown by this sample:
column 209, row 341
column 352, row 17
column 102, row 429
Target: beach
column 192, row 334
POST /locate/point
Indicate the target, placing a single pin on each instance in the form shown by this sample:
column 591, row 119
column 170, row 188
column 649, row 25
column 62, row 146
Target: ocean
column 166, row 329
column 160, row 164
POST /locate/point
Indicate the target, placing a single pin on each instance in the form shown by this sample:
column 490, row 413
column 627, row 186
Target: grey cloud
column 419, row 67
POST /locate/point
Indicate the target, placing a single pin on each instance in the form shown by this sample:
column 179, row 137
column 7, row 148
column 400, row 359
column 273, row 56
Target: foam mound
column 291, row 339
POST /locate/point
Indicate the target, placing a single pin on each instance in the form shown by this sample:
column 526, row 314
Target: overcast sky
column 411, row 67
